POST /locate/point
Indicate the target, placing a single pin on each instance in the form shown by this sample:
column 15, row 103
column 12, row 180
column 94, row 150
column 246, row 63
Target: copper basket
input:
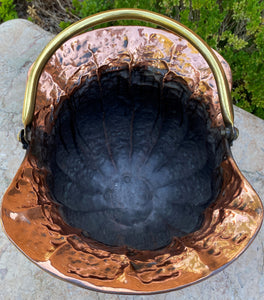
column 128, row 184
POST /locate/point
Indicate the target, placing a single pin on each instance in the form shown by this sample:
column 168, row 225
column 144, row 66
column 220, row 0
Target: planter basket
column 128, row 183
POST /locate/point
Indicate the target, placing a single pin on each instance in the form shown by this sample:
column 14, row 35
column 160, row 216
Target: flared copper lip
column 231, row 222
column 208, row 259
column 84, row 284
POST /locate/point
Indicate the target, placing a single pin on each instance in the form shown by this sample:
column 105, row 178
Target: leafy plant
column 7, row 10
column 85, row 8
column 236, row 30
column 89, row 7
column 64, row 25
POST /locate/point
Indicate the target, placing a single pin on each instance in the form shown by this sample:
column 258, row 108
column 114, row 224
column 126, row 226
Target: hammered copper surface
column 33, row 223
column 121, row 47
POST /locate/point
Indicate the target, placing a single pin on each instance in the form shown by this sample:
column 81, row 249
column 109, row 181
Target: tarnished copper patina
column 128, row 184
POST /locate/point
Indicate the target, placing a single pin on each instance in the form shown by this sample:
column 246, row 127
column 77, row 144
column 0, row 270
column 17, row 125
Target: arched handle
column 141, row 15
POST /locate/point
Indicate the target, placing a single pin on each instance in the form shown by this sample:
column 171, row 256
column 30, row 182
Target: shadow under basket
column 128, row 184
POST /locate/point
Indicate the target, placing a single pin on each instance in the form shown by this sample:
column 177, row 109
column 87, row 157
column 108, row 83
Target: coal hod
column 128, row 184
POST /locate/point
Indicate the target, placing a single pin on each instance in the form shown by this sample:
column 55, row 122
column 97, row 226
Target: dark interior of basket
column 134, row 160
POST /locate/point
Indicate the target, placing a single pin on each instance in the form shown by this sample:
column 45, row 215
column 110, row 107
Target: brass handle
column 131, row 14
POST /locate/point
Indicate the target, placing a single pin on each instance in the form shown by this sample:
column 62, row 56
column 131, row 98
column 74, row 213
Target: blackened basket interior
column 133, row 159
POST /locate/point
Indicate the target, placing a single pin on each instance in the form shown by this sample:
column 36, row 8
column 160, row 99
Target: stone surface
column 21, row 41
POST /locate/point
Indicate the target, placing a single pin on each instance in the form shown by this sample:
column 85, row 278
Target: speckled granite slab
column 21, row 41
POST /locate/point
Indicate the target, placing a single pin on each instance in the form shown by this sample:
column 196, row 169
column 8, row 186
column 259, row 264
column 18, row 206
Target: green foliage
column 141, row 4
column 88, row 7
column 236, row 30
column 7, row 10
column 64, row 25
